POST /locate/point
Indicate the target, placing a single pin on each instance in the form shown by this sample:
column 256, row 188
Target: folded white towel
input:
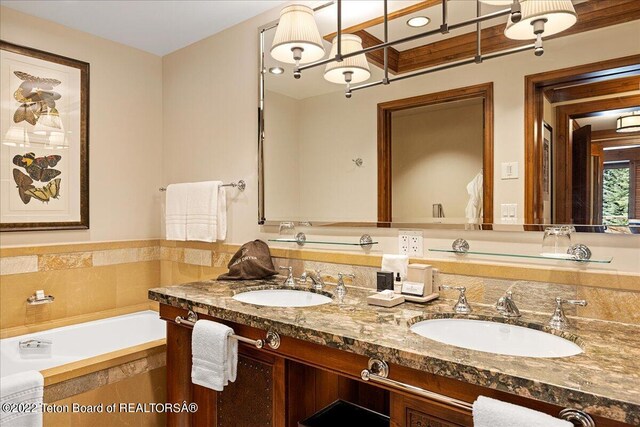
column 222, row 213
column 176, row 212
column 25, row 388
column 489, row 412
column 396, row 264
column 202, row 211
column 215, row 355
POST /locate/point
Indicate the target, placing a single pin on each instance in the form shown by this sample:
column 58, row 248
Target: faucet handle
column 580, row 302
column 342, row 275
column 462, row 306
column 558, row 319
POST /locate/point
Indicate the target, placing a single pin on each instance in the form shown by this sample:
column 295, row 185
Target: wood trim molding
column 592, row 15
column 611, row 134
column 377, row 57
column 535, row 86
column 626, row 84
column 385, row 109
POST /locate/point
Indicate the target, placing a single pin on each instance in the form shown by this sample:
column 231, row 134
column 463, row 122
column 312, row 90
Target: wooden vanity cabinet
column 259, row 387
column 281, row 387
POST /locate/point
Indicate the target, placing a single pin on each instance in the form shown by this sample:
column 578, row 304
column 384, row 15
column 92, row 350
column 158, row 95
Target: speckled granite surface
column 604, row 380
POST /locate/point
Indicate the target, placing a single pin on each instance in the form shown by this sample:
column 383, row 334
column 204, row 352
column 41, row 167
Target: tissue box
column 383, row 301
column 421, row 273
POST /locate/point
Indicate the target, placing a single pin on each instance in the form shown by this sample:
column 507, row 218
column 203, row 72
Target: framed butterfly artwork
column 44, row 140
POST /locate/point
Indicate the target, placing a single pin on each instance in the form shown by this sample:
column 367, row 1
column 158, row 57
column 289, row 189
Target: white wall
column 210, row 129
column 125, row 132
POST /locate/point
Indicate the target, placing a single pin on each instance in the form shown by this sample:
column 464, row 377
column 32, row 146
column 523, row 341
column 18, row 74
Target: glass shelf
column 323, row 242
column 548, row 258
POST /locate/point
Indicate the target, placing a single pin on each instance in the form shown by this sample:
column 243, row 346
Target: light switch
column 509, row 170
column 509, row 213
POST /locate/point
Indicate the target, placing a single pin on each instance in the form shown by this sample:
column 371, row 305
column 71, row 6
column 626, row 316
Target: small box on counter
column 383, row 299
column 385, row 281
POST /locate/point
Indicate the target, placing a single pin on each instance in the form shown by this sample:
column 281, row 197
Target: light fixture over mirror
column 297, row 39
column 541, row 18
column 354, row 69
column 628, row 123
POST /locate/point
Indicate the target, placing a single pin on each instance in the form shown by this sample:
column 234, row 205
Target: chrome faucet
column 507, row 307
column 462, row 306
column 317, row 282
column 341, row 289
column 289, row 280
column 558, row 319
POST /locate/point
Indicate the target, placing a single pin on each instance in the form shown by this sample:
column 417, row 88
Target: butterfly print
column 38, row 168
column 24, row 183
column 37, row 100
column 46, row 193
column 27, row 190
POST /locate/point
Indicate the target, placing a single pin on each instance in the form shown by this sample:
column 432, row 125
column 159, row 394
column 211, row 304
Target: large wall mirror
column 515, row 142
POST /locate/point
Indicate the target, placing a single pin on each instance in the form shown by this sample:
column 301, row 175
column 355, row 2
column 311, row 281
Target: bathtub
column 82, row 341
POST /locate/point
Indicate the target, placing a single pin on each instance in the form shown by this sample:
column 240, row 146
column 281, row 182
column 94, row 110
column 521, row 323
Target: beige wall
column 223, row 72
column 430, row 148
column 125, row 132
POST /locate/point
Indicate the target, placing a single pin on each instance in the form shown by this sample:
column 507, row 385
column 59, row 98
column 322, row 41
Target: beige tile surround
column 99, row 279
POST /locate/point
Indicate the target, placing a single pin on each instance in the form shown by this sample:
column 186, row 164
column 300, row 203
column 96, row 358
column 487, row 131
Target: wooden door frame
column 535, row 86
column 564, row 115
column 385, row 110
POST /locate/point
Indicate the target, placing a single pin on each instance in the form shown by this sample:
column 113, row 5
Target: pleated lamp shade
column 559, row 15
column 358, row 65
column 297, row 29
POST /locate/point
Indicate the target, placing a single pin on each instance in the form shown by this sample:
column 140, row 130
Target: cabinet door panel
column 414, row 412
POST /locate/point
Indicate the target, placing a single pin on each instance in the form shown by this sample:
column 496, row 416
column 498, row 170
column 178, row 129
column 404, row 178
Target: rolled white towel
column 489, row 412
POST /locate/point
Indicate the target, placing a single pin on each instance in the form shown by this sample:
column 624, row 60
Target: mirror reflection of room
column 596, row 145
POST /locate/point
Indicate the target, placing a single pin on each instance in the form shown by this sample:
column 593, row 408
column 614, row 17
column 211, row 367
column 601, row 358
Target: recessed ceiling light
column 276, row 70
column 418, row 21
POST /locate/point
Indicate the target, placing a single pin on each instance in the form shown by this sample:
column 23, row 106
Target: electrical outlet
column 410, row 243
column 403, row 243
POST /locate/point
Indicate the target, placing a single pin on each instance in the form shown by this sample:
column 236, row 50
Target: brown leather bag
column 251, row 262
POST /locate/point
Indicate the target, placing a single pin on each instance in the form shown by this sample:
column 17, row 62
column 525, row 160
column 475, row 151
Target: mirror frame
column 385, row 110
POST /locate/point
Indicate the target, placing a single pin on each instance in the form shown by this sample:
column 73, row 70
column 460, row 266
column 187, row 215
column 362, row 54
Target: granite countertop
column 604, row 380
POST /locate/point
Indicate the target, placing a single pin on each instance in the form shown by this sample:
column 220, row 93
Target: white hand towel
column 215, row 355
column 202, row 211
column 176, row 212
column 23, row 388
column 396, row 264
column 222, row 213
column 489, row 412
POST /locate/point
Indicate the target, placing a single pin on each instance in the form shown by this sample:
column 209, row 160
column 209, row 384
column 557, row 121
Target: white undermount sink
column 282, row 298
column 494, row 337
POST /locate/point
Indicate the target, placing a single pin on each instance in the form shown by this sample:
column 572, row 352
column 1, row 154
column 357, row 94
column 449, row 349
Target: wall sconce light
column 297, row 40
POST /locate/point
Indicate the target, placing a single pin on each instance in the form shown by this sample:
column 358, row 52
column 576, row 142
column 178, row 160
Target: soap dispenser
column 397, row 285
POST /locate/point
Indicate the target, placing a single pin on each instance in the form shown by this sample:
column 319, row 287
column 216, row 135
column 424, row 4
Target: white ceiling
column 158, row 27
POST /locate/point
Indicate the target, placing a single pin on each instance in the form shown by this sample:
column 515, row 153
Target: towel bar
column 240, row 185
column 272, row 339
column 378, row 371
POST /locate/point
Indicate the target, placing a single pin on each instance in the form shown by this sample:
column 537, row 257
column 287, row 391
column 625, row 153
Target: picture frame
column 547, row 165
column 44, row 140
